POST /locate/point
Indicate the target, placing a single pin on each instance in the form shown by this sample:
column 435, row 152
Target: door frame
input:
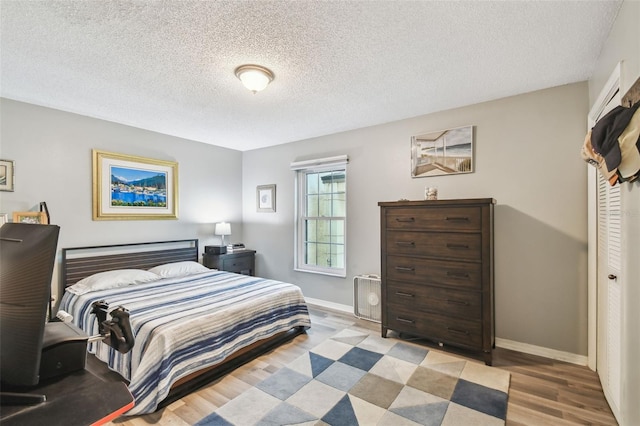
column 606, row 94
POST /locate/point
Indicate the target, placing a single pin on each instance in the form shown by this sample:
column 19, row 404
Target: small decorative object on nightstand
column 240, row 261
column 215, row 249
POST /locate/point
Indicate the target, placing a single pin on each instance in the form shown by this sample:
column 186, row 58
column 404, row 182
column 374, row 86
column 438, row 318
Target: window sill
column 340, row 274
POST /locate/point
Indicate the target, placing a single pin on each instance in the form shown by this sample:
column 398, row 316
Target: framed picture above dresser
column 437, row 272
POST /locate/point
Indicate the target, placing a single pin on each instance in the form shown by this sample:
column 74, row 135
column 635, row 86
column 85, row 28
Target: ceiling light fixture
column 254, row 77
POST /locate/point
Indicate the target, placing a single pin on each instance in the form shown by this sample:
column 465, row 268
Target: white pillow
column 179, row 269
column 112, row 279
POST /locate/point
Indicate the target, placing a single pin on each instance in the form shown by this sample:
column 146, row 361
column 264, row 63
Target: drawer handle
column 455, row 330
column 403, row 294
column 458, row 246
column 405, row 219
column 405, row 269
column 404, row 320
column 405, row 243
column 457, row 274
column 457, row 218
column 457, row 302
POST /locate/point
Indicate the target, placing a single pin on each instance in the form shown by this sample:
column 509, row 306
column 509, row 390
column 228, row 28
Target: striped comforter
column 182, row 325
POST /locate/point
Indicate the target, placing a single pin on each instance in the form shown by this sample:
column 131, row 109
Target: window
column 321, row 216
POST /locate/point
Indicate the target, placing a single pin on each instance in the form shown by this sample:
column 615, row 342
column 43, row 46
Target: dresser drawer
column 440, row 272
column 436, row 327
column 456, row 303
column 240, row 265
column 436, row 244
column 436, row 218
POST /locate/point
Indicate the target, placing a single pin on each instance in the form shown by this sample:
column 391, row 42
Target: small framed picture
column 6, row 175
column 266, row 198
column 38, row 218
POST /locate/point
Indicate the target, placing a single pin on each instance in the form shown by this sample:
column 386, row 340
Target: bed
column 191, row 324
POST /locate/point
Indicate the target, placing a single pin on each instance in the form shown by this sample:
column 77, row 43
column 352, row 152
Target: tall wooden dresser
column 437, row 271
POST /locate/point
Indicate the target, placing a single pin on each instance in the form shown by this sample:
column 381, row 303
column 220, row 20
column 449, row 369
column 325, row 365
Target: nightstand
column 240, row 261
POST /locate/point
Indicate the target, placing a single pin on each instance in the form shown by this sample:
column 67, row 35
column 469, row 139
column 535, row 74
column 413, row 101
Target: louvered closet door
column 607, row 239
column 609, row 290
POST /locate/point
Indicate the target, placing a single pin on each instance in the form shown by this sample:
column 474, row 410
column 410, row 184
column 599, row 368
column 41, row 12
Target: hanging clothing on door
column 597, row 160
column 614, row 143
column 629, row 142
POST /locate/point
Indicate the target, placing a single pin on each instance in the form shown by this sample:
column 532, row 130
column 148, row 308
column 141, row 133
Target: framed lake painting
column 127, row 187
column 445, row 152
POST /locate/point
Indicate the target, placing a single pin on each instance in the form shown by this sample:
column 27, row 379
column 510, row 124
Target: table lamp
column 223, row 228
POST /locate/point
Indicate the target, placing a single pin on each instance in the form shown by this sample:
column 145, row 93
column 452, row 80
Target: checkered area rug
column 358, row 379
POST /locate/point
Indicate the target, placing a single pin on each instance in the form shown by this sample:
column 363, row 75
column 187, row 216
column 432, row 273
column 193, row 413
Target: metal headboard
column 81, row 262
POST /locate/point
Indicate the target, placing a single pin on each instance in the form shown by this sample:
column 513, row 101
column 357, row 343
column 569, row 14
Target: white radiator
column 366, row 297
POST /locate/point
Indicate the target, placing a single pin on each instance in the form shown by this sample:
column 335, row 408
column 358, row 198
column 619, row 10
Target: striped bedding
column 182, row 325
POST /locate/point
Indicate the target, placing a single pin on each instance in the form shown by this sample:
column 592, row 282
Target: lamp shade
column 223, row 228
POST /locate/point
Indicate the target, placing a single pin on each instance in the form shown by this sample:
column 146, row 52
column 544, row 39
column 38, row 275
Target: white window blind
column 328, row 162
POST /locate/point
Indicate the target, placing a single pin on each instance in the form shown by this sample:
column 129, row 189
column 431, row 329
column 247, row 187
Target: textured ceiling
column 167, row 66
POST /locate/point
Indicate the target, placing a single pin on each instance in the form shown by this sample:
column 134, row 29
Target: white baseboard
column 501, row 343
column 330, row 305
column 541, row 351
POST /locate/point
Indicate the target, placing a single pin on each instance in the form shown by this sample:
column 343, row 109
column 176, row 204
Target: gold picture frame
column 128, row 187
column 266, row 198
column 39, row 218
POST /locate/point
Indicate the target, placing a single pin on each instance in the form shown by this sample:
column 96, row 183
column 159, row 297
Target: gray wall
column 52, row 154
column 623, row 44
column 526, row 157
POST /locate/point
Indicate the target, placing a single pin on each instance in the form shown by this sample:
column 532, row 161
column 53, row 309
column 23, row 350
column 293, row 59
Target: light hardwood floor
column 542, row 391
